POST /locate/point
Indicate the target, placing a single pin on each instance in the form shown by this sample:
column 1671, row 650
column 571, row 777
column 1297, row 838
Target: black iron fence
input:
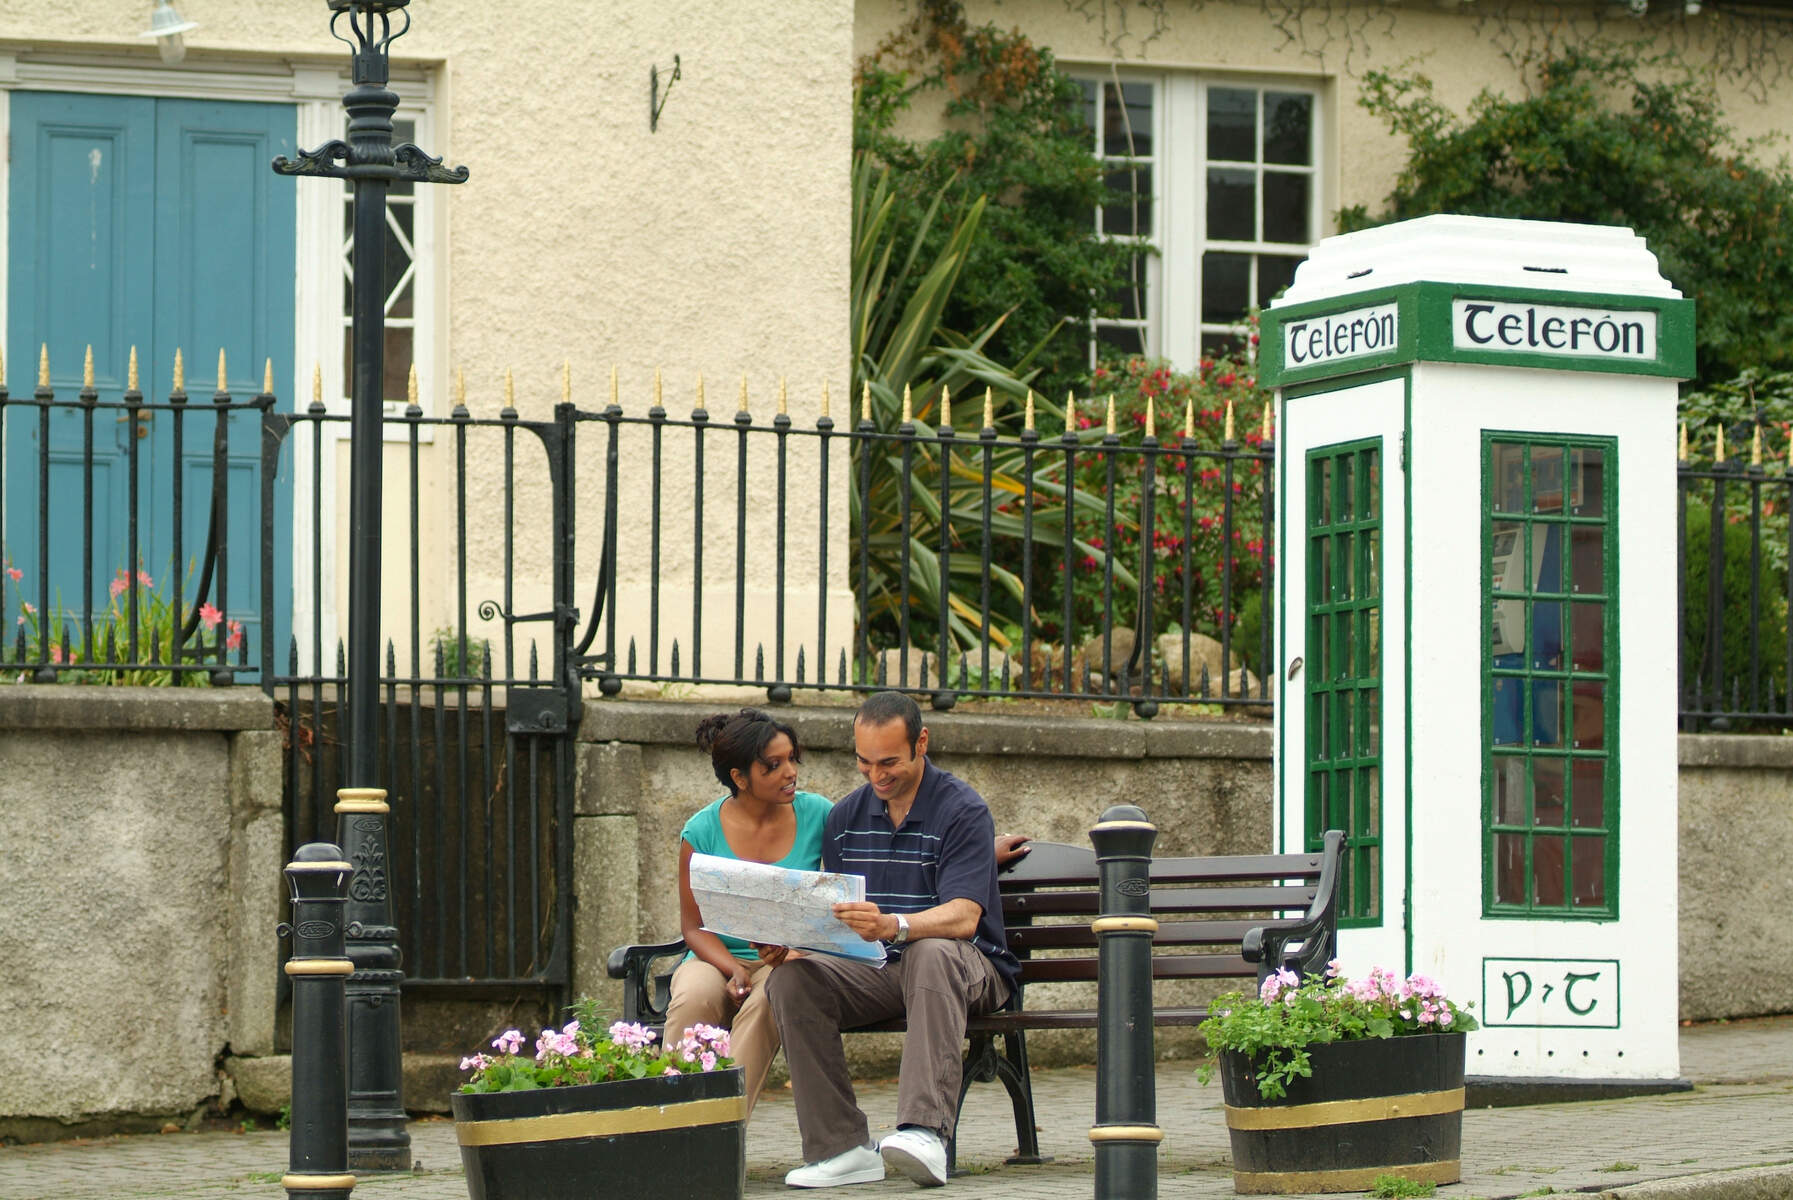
column 1734, row 592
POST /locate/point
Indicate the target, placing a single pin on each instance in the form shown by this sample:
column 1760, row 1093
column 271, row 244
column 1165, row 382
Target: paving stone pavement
column 1740, row 1115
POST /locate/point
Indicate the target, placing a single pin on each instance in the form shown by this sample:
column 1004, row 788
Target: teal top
column 703, row 833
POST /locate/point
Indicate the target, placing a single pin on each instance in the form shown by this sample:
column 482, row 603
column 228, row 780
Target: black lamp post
column 378, row 1140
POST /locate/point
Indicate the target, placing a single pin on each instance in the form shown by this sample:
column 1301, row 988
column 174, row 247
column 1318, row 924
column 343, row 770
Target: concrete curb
column 1746, row 1183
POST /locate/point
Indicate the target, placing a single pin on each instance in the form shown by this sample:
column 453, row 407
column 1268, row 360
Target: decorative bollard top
column 317, row 872
column 1123, row 832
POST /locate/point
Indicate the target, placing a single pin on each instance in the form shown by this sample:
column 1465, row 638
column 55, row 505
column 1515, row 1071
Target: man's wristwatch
column 902, row 933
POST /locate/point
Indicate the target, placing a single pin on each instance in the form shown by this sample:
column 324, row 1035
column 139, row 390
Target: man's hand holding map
column 777, row 906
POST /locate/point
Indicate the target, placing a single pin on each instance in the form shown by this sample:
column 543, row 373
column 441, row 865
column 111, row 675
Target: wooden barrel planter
column 1381, row 1106
column 672, row 1137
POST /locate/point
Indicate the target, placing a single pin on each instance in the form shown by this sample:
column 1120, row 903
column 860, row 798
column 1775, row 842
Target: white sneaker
column 917, row 1153
column 861, row 1164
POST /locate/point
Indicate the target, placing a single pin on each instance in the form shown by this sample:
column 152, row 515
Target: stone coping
column 665, row 723
column 83, row 707
column 1737, row 750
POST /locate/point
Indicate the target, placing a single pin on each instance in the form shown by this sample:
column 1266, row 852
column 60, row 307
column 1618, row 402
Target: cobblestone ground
column 1739, row 1115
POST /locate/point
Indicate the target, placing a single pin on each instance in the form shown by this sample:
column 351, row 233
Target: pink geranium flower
column 209, row 614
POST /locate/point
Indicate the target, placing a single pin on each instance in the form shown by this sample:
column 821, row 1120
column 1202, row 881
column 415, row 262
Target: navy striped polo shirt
column 945, row 851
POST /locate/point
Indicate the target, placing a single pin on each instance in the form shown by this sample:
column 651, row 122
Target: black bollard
column 1126, row 1133
column 318, row 1153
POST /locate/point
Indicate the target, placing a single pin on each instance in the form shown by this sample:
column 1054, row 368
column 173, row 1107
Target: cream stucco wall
column 717, row 245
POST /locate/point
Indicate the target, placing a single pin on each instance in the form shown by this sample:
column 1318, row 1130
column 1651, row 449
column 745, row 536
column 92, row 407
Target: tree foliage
column 1607, row 136
column 1014, row 133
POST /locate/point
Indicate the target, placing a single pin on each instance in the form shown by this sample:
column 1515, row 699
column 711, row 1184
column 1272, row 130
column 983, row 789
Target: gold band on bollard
column 320, row 866
column 1126, row 1133
column 560, row 1127
column 1123, row 925
column 361, row 800
column 1346, row 1112
column 299, row 1183
column 319, row 966
column 1123, row 825
column 1276, row 1183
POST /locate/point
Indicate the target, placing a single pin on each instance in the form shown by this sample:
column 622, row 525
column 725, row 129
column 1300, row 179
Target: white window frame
column 315, row 89
column 1172, row 309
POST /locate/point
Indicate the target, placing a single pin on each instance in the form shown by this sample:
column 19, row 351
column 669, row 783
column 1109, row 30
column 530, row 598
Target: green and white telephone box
column 1476, row 443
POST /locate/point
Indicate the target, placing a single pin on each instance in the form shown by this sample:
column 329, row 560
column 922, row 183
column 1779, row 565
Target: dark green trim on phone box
column 1423, row 332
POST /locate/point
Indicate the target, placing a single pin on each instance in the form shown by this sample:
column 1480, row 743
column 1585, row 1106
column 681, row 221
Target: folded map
column 776, row 906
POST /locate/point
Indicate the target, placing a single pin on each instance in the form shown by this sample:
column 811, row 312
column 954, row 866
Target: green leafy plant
column 1012, row 131
column 457, row 657
column 1620, row 1165
column 284, row 1119
column 1607, row 135
column 1275, row 1027
column 106, row 654
column 576, row 1054
column 1769, row 582
column 1400, row 1189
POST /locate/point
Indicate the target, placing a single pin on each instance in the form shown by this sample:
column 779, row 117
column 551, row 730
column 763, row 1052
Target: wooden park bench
column 1227, row 917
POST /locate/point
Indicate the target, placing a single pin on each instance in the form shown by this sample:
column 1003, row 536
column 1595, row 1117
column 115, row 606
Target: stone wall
column 142, row 884
column 138, row 903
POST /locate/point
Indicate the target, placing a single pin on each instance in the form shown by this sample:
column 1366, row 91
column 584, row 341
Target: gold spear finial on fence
column 566, row 382
column 1227, row 433
column 615, row 388
column 411, row 387
column 824, row 397
column 865, row 401
column 87, row 369
column 1027, row 418
column 1755, row 447
column 1108, row 422
column 130, row 372
column 700, row 390
column 460, row 387
column 908, row 408
column 784, row 407
column 43, row 366
column 946, row 408
column 1681, row 451
column 1720, row 453
column 657, row 397
column 317, row 384
column 1151, row 417
column 989, row 409
column 1070, row 412
column 223, row 384
column 267, row 375
column 743, row 404
column 1189, row 420
column 1264, row 430
column 180, row 371
column 510, row 390
column 2, row 369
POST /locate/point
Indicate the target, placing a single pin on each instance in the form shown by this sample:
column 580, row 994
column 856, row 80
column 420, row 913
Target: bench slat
column 1166, row 900
column 1173, row 933
column 1164, row 966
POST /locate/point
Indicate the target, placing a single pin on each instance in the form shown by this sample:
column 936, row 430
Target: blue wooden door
column 153, row 224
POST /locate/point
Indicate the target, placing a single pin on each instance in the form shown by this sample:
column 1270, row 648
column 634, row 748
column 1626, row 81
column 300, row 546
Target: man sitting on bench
column 923, row 840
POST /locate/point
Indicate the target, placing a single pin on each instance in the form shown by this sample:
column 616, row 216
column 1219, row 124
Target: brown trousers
column 700, row 997
column 935, row 985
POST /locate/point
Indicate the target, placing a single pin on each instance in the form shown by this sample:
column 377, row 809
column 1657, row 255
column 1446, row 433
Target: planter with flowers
column 1332, row 1082
column 588, row 1112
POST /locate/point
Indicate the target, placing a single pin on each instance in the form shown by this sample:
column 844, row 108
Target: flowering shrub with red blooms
column 576, row 1055
column 63, row 642
column 1275, row 1027
column 1193, row 531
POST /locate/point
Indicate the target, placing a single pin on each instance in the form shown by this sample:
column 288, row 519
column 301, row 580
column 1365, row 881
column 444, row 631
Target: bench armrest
column 642, row 1000
column 1317, row 932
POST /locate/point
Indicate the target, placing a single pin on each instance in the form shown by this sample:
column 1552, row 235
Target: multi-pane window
column 1217, row 183
column 1120, row 120
column 1260, row 201
column 401, row 278
column 1550, row 717
column 1344, row 667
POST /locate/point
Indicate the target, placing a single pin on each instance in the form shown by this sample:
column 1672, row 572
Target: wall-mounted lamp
column 166, row 26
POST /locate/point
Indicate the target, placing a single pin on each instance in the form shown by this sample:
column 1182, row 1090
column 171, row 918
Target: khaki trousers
column 700, row 997
column 935, row 985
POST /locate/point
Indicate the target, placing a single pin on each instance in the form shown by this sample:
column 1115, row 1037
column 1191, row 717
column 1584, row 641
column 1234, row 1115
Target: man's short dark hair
column 880, row 708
